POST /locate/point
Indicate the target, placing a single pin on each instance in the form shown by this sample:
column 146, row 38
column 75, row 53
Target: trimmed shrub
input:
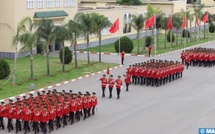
column 126, row 45
column 4, row 69
column 148, row 41
column 211, row 28
column 168, row 37
column 185, row 33
column 67, row 55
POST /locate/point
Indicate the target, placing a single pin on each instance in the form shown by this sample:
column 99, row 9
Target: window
column 57, row 3
column 39, row 3
column 30, row 3
column 69, row 3
column 72, row 3
column 49, row 3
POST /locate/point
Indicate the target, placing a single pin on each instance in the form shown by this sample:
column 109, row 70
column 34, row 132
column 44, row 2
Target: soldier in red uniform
column 27, row 116
column 85, row 105
column 103, row 84
column 187, row 60
column 73, row 108
column 118, row 86
column 2, row 114
column 52, row 117
column 36, row 118
column 122, row 57
column 59, row 114
column 127, row 80
column 94, row 102
column 18, row 115
column 10, row 116
column 110, row 85
column 44, row 118
column 66, row 112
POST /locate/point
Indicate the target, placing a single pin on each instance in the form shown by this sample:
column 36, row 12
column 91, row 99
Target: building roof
column 48, row 14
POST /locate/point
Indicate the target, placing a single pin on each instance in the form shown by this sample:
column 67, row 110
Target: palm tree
column 74, row 32
column 159, row 22
column 86, row 22
column 99, row 22
column 29, row 41
column 62, row 35
column 45, row 31
column 198, row 13
column 158, row 13
column 137, row 23
column 177, row 22
column 164, row 26
column 22, row 26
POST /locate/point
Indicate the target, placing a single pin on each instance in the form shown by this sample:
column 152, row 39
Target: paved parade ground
column 178, row 107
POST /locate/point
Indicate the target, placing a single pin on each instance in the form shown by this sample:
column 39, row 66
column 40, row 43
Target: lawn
column 110, row 47
column 41, row 79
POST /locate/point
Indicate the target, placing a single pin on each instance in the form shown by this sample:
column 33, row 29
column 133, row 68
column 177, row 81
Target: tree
column 177, row 22
column 159, row 15
column 45, row 31
column 99, row 23
column 86, row 25
column 62, row 35
column 137, row 23
column 29, row 41
column 74, row 32
column 22, row 26
column 164, row 26
column 159, row 22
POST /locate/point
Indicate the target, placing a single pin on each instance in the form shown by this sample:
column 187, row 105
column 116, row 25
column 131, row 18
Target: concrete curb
column 58, row 84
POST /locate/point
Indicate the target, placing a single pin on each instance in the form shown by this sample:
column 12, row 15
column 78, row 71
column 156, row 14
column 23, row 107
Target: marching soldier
column 36, row 118
column 2, row 114
column 94, row 102
column 110, row 85
column 118, row 86
column 127, row 80
column 103, row 84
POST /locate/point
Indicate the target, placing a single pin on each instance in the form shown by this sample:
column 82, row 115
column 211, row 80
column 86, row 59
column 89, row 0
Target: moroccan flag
column 114, row 27
column 108, row 71
column 197, row 21
column 150, row 22
column 205, row 18
column 184, row 22
column 169, row 23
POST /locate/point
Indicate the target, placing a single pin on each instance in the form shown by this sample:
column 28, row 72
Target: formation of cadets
column 199, row 57
column 155, row 72
column 52, row 109
column 111, row 83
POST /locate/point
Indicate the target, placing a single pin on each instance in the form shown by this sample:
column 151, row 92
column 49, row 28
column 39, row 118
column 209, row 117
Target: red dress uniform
column 59, row 111
column 44, row 117
column 10, row 113
column 150, row 48
column 118, row 83
column 3, row 109
column 18, row 113
column 36, row 115
column 123, row 55
column 52, row 113
column 27, row 114
column 66, row 109
column 73, row 105
column 94, row 100
column 103, row 81
column 127, row 78
column 85, row 103
column 110, row 83
column 129, row 70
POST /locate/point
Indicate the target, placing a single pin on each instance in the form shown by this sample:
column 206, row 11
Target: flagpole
column 119, row 46
column 171, row 36
column 155, row 38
